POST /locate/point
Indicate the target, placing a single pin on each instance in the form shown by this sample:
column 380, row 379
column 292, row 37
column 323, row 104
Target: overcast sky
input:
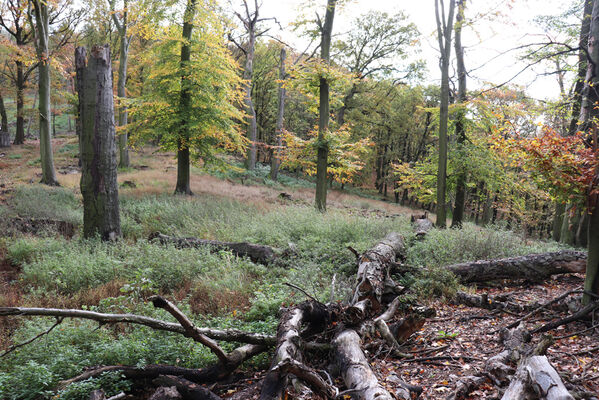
column 487, row 38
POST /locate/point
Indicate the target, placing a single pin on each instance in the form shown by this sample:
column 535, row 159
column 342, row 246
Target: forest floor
column 46, row 270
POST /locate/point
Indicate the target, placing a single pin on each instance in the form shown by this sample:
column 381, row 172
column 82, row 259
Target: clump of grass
column 471, row 243
column 39, row 201
column 15, row 156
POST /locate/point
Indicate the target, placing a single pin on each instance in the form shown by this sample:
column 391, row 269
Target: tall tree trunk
column 460, row 130
column 558, row 220
column 591, row 283
column 183, row 164
column 20, row 132
column 582, row 66
column 249, row 104
column 444, row 29
column 4, row 117
column 30, row 119
column 42, row 38
column 588, row 117
column 99, row 186
column 323, row 111
column 276, row 159
column 124, row 56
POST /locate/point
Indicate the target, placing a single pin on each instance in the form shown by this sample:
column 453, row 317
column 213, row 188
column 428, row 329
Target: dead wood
column 421, row 225
column 355, row 369
column 488, row 302
column 373, row 270
column 257, row 253
column 288, row 356
column 225, row 335
column 534, row 376
column 188, row 390
column 582, row 313
column 37, row 225
column 534, row 267
column 166, row 393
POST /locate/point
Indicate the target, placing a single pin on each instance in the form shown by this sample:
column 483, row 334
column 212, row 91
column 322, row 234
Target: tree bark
column 355, row 369
column 248, row 73
column 4, row 121
column 323, row 110
column 558, row 220
column 183, row 161
column 460, row 129
column 20, row 83
column 276, row 159
column 534, row 267
column 43, row 54
column 444, row 29
column 373, row 270
column 99, row 185
column 121, row 86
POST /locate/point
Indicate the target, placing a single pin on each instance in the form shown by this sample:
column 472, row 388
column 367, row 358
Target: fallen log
column 189, row 390
column 36, row 225
column 534, row 377
column 288, row 356
column 259, row 254
column 355, row 370
column 373, row 270
column 534, row 267
column 421, row 225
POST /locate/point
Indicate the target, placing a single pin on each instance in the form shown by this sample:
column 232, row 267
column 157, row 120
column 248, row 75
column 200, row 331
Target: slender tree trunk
column 558, row 220
column 323, row 111
column 30, row 118
column 276, row 159
column 42, row 38
column 4, row 121
column 124, row 56
column 444, row 29
column 20, row 132
column 460, row 130
column 183, row 162
column 249, row 104
column 99, row 186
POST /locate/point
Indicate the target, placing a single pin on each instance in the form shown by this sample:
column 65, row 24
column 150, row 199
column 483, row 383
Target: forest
column 299, row 199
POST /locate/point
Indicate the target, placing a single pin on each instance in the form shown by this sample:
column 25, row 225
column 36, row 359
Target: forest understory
column 435, row 352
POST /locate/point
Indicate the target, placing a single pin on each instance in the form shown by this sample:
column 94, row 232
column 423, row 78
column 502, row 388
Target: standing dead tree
column 98, row 157
column 250, row 20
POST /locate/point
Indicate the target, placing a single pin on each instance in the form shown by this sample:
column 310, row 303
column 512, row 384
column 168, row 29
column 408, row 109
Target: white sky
column 513, row 29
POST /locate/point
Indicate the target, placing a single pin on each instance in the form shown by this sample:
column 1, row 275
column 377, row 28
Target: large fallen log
column 536, row 379
column 256, row 252
column 288, row 356
column 355, row 370
column 534, row 267
column 373, row 270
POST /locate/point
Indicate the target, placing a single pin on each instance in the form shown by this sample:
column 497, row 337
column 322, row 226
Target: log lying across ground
column 534, row 267
column 257, row 253
column 533, row 378
column 421, row 225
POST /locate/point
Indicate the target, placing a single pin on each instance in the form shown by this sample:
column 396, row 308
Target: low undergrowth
column 215, row 289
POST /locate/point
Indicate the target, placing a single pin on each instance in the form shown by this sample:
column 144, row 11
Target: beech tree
column 460, row 129
column 13, row 18
column 326, row 29
column 192, row 86
column 444, row 30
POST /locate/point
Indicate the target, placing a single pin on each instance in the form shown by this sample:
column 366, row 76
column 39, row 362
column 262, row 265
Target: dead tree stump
column 98, row 144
